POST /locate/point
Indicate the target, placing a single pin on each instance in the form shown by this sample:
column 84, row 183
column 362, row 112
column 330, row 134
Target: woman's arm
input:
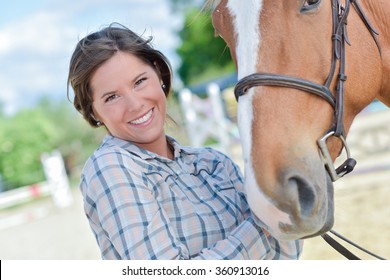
column 277, row 249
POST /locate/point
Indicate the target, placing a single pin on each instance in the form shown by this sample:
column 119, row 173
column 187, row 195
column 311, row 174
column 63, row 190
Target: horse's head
column 281, row 119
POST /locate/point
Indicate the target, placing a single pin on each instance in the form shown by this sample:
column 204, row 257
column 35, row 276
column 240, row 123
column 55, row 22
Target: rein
column 339, row 38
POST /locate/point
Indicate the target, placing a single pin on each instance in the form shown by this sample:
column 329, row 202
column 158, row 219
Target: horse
column 306, row 68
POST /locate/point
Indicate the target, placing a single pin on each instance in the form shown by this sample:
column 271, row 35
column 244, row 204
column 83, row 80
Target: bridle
column 339, row 38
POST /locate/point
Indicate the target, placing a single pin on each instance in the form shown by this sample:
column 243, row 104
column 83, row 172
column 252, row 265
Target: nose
column 310, row 204
column 303, row 193
column 133, row 102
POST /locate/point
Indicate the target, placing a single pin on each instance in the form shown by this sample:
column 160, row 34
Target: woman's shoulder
column 108, row 148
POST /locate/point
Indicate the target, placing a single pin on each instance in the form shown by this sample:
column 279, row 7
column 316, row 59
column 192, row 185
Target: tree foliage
column 31, row 132
column 22, row 140
column 201, row 52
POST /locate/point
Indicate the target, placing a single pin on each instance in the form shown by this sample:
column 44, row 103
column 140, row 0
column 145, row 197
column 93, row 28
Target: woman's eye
column 110, row 98
column 140, row 81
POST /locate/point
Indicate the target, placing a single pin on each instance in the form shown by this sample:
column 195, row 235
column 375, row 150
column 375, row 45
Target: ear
column 95, row 118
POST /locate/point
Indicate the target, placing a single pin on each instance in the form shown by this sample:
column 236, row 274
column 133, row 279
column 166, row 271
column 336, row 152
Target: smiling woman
column 145, row 195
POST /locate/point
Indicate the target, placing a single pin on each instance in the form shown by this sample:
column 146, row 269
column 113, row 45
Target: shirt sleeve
column 250, row 242
column 129, row 223
column 256, row 242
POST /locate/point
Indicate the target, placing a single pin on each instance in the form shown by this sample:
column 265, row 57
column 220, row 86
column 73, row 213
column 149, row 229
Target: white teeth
column 143, row 119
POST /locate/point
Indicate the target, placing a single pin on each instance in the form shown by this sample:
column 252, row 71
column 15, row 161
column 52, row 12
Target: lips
column 143, row 119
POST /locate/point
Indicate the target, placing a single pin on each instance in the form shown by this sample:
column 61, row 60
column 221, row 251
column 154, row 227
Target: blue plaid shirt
column 143, row 206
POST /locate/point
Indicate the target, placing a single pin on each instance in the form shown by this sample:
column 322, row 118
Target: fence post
column 54, row 169
column 205, row 118
column 191, row 119
column 220, row 121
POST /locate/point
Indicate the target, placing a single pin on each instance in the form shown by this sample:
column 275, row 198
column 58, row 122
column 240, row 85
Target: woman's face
column 128, row 98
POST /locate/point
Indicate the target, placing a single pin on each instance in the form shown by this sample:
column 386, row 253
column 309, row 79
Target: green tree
column 23, row 138
column 29, row 133
column 1, row 109
column 203, row 55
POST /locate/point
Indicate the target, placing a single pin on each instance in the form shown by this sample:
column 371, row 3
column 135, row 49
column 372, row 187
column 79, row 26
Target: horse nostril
column 306, row 195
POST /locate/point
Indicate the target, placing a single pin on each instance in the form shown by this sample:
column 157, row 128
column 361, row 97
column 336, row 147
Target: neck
column 160, row 147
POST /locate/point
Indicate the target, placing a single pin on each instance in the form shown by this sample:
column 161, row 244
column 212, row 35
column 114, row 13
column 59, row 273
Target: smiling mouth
column 143, row 119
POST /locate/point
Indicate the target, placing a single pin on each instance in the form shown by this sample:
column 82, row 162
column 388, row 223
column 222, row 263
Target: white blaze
column 246, row 17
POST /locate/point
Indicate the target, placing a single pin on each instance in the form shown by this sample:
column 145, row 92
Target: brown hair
column 96, row 48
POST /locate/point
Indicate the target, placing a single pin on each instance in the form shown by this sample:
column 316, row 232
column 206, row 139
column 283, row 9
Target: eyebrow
column 132, row 82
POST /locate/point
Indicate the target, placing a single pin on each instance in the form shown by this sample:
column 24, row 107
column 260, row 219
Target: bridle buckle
column 343, row 169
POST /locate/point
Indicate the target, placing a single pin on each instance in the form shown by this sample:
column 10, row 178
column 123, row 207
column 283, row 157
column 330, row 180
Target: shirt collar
column 110, row 140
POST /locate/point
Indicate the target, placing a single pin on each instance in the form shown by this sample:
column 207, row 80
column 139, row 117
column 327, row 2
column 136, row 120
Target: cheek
column 108, row 114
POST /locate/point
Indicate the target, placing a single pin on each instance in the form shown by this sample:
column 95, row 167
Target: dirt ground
column 362, row 215
column 47, row 232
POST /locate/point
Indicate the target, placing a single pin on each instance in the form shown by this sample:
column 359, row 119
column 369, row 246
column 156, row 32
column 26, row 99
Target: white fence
column 206, row 119
column 24, row 194
column 369, row 142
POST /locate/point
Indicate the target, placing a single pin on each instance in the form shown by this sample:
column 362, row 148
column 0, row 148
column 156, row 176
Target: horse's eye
column 310, row 5
column 312, row 2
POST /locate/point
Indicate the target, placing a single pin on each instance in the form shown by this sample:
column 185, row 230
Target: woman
column 145, row 195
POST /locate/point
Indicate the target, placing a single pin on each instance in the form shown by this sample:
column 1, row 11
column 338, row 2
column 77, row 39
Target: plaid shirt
column 143, row 206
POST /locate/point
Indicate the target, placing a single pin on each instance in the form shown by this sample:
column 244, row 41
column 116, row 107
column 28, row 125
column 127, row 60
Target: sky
column 37, row 39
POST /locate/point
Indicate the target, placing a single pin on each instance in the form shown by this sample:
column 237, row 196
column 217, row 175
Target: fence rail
column 24, row 194
column 369, row 142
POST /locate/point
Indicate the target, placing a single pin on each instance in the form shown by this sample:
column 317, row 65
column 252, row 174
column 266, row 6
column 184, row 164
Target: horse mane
column 208, row 2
